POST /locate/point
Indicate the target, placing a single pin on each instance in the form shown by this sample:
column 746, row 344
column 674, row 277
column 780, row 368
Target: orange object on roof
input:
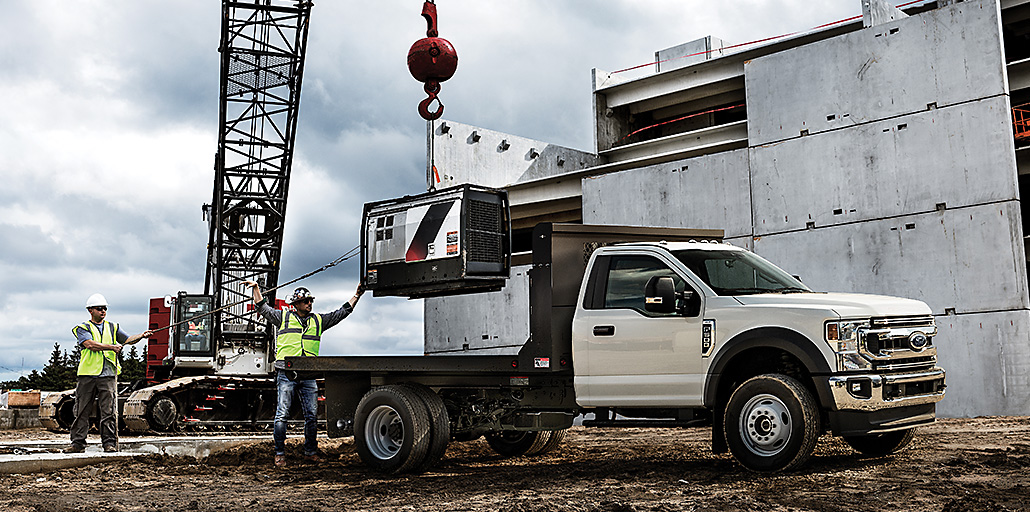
column 1021, row 121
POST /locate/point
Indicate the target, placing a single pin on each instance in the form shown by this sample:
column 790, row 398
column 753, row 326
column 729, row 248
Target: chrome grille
column 900, row 343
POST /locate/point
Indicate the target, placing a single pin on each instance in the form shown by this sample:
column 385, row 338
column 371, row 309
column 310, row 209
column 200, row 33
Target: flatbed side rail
column 432, row 364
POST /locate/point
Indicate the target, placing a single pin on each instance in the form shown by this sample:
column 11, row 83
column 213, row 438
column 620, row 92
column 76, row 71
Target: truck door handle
column 604, row 330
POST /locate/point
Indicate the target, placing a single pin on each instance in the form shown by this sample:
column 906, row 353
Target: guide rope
column 344, row 257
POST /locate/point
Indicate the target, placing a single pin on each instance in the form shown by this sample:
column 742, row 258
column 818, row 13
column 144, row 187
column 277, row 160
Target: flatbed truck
column 654, row 327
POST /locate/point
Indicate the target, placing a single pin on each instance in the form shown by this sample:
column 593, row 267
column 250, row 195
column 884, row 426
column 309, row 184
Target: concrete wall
column 711, row 191
column 879, row 161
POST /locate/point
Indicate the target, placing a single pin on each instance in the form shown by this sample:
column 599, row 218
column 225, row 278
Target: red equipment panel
column 157, row 347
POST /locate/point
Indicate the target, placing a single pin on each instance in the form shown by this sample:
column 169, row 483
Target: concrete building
column 879, row 156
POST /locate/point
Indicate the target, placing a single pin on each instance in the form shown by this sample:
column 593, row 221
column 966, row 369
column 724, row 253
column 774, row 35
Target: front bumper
column 870, row 403
column 871, row 392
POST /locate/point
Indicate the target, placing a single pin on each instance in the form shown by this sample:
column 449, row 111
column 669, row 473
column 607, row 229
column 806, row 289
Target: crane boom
column 263, row 46
column 215, row 371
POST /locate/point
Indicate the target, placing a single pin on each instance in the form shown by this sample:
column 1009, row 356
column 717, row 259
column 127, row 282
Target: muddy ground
column 978, row 465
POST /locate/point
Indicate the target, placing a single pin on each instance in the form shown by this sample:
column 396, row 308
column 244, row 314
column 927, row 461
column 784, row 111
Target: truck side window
column 627, row 276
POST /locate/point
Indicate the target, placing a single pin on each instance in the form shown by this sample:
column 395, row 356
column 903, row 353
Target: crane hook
column 431, row 89
column 431, row 60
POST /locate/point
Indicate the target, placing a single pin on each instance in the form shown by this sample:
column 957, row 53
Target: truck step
column 647, row 423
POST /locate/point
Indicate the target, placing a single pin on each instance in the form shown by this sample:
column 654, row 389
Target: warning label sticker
column 452, row 243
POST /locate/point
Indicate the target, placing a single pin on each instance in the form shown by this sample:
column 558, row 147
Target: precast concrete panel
column 987, row 357
column 941, row 57
column 709, row 192
column 949, row 157
column 493, row 323
column 964, row 260
column 469, row 154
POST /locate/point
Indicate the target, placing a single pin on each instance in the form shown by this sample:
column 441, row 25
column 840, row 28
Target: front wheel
column 881, row 444
column 771, row 423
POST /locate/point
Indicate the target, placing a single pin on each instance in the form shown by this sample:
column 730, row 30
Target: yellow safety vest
column 294, row 339
column 91, row 362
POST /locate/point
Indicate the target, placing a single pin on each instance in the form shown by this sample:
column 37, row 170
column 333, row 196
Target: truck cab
column 718, row 329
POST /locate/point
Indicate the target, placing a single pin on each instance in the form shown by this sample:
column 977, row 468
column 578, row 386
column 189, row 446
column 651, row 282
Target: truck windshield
column 738, row 272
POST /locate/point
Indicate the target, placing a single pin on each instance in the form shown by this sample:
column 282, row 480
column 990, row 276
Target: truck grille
column 900, row 343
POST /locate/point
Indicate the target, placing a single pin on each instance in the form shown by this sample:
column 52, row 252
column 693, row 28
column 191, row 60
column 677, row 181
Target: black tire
column 771, row 423
column 66, row 412
column 512, row 443
column 439, row 428
column 881, row 444
column 551, row 441
column 392, row 429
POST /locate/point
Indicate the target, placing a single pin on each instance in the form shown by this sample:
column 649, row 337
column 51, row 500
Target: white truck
column 649, row 327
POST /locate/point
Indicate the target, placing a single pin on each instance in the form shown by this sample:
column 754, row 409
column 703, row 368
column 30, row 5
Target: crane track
column 200, row 401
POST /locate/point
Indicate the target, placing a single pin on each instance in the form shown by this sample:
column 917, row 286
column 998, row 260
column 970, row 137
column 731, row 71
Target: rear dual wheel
column 401, row 428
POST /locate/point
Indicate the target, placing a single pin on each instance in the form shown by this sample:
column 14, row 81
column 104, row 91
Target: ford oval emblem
column 918, row 341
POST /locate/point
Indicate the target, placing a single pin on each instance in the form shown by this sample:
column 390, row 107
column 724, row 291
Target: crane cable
column 344, row 257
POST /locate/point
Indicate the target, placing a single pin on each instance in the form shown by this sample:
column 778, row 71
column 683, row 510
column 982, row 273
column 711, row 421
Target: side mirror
column 660, row 295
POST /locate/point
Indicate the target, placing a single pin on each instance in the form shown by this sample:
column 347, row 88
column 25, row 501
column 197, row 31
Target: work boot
column 109, row 448
column 313, row 457
column 75, row 448
column 280, row 461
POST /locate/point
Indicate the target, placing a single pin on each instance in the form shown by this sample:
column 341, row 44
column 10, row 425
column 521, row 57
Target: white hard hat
column 96, row 300
column 300, row 294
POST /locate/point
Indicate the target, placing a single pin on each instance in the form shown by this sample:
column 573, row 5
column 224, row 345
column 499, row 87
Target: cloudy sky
column 110, row 113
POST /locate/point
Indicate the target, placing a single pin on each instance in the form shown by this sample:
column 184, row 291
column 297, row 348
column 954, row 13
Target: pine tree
column 133, row 367
column 55, row 374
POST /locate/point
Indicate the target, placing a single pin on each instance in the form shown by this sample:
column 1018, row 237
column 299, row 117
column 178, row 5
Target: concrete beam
column 681, row 143
column 45, row 456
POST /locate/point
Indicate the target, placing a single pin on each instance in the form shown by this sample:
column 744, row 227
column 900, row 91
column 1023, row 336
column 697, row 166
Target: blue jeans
column 307, row 392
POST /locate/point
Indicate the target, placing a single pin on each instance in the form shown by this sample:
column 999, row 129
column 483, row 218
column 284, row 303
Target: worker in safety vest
column 100, row 343
column 299, row 333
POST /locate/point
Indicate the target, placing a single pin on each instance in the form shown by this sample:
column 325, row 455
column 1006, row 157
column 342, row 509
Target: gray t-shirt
column 82, row 335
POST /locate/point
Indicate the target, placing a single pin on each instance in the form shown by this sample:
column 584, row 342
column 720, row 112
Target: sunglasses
column 302, row 301
column 99, row 308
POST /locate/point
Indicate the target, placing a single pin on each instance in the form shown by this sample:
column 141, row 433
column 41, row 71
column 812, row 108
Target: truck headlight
column 843, row 334
column 843, row 337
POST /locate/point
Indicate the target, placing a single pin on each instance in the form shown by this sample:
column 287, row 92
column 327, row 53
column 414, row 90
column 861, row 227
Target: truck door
column 635, row 357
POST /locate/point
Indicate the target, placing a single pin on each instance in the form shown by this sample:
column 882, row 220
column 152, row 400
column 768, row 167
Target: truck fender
column 787, row 340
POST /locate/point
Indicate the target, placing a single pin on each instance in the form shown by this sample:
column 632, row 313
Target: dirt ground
column 980, row 464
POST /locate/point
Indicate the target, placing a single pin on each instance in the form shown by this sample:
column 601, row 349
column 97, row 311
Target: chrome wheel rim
column 384, row 432
column 765, row 425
